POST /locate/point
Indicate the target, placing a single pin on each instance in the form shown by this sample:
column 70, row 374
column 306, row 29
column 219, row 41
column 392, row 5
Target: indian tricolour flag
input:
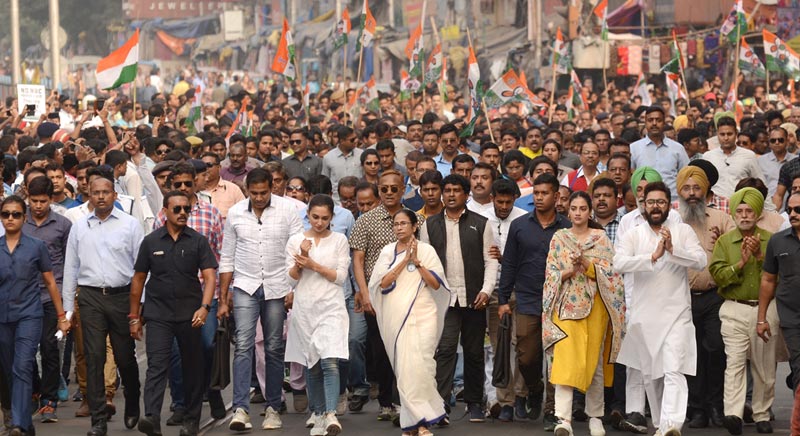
column 735, row 25
column 601, row 10
column 283, row 62
column 120, row 66
column 474, row 85
column 194, row 121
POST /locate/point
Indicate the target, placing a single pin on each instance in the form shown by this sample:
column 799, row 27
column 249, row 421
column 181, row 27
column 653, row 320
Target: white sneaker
column 596, row 427
column 341, row 405
column 332, row 426
column 563, row 428
column 318, row 425
column 272, row 421
column 312, row 419
column 240, row 421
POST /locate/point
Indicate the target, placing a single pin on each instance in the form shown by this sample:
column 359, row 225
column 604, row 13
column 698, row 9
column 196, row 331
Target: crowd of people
column 641, row 259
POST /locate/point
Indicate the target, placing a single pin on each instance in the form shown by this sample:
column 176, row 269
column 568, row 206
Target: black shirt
column 781, row 258
column 173, row 292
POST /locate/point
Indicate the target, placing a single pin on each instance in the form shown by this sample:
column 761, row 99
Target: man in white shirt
column 253, row 260
column 733, row 163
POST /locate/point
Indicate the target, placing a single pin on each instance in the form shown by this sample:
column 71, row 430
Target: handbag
column 501, row 372
column 221, row 365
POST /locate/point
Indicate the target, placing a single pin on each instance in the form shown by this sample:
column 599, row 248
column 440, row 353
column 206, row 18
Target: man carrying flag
column 119, row 67
column 283, row 62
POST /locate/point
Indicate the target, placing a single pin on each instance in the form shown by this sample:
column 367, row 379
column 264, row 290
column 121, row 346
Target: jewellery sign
column 174, row 9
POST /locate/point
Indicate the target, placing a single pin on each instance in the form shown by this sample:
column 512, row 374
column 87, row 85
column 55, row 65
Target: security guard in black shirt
column 175, row 307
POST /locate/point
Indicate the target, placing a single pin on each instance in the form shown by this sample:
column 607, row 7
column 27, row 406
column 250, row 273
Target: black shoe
column 16, row 431
column 764, row 427
column 716, row 417
column 733, row 424
column 149, row 426
column 282, row 409
column 357, row 403
column 618, row 422
column 444, row 422
column 177, row 418
column 506, row 414
column 216, row 404
column 580, row 415
column 496, row 410
column 476, row 412
column 258, row 398
column 78, row 397
column 698, row 419
column 550, row 421
column 131, row 412
column 637, row 418
column 747, row 416
column 190, row 428
column 396, row 420
column 97, row 430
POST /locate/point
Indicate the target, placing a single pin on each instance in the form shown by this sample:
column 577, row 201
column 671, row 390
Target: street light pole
column 16, row 59
column 55, row 47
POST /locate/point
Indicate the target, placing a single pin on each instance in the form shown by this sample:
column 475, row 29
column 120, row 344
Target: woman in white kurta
column 410, row 297
column 318, row 261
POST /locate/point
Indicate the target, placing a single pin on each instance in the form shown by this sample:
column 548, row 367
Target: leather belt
column 109, row 290
column 697, row 293
column 751, row 303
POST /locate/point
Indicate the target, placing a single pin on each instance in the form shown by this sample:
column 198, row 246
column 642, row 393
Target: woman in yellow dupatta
column 583, row 315
column 410, row 297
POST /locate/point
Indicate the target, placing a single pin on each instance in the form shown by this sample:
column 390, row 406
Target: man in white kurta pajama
column 660, row 340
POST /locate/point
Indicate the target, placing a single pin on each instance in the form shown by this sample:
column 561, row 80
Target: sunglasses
column 372, row 164
column 162, row 151
column 386, row 189
column 776, row 140
column 295, row 188
column 296, row 141
column 789, row 210
column 188, row 184
column 178, row 209
column 6, row 215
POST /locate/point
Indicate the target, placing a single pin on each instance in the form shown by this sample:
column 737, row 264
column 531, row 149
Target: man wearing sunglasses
column 733, row 163
column 177, row 305
column 779, row 279
column 772, row 162
column 207, row 220
column 302, row 163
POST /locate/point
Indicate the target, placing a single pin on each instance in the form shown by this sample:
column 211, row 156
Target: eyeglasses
column 295, row 141
column 178, row 209
column 656, row 202
column 6, row 215
column 292, row 188
column 369, row 163
column 401, row 224
column 386, row 189
column 188, row 184
column 789, row 210
column 162, row 151
column 777, row 140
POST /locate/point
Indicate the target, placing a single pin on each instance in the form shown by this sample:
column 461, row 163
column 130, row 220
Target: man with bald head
column 736, row 267
column 705, row 388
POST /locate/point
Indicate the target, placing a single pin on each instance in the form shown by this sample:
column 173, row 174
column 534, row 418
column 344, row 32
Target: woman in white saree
column 410, row 297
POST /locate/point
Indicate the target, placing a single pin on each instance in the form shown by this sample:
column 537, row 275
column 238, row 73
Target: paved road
column 365, row 424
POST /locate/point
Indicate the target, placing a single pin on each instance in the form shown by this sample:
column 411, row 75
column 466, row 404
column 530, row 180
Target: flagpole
column 605, row 80
column 483, row 102
column 552, row 95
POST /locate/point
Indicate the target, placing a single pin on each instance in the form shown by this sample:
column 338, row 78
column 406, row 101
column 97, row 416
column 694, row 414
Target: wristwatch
column 207, row 307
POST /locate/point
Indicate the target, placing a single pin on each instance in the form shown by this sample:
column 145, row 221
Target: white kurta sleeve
column 686, row 248
column 343, row 259
column 626, row 260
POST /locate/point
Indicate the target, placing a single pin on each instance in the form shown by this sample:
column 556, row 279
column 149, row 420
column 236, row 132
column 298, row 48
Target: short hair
column 658, row 186
column 620, row 156
column 485, row 166
column 455, row 179
column 505, row 187
column 319, row 184
column 489, row 146
column 40, row 186
column 538, row 160
column 654, row 109
column 554, row 142
column 390, row 173
column 302, row 132
column 258, row 175
column 462, row 158
column 321, row 200
column 430, row 132
column 511, row 132
column 434, row 177
column 385, row 144
column 103, row 172
column 752, row 182
column 547, row 179
column 361, row 186
column 601, row 132
column 116, row 157
column 726, row 121
column 604, row 182
column 275, row 167
column 26, row 177
column 172, row 194
column 182, row 168
column 15, row 199
column 347, row 182
column 211, row 154
column 414, row 156
column 514, row 156
column 448, row 128
column 88, row 163
column 367, row 153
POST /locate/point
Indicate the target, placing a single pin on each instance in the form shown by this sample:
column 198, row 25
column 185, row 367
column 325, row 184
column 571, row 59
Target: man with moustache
column 480, row 185
column 660, row 340
column 705, row 389
column 736, row 267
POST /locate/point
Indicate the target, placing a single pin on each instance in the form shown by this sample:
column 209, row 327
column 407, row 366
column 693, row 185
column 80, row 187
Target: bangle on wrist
column 133, row 321
column 133, row 316
column 762, row 322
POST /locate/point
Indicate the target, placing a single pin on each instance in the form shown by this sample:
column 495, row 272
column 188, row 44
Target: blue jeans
column 246, row 311
column 353, row 372
column 18, row 343
column 207, row 332
column 322, row 385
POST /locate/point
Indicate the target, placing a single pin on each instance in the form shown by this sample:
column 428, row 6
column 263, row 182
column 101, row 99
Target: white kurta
column 319, row 322
column 660, row 336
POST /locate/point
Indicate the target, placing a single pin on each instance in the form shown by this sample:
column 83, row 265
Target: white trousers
column 595, row 401
column 743, row 344
column 668, row 397
column 634, row 391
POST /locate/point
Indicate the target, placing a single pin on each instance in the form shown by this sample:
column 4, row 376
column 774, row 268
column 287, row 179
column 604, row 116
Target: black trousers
column 791, row 336
column 378, row 360
column 470, row 325
column 160, row 335
column 107, row 316
column 705, row 388
column 47, row 382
